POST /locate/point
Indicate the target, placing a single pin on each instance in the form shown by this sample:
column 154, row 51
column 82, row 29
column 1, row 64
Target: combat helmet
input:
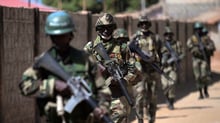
column 205, row 30
column 105, row 20
column 120, row 33
column 144, row 19
column 198, row 25
column 167, row 31
column 58, row 23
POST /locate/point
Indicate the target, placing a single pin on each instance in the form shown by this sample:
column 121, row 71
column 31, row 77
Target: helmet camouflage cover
column 58, row 23
column 168, row 30
column 120, row 33
column 144, row 19
column 106, row 20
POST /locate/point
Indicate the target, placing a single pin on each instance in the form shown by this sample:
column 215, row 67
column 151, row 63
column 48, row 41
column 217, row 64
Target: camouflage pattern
column 200, row 65
column 210, row 46
column 120, row 33
column 40, row 84
column 170, row 69
column 144, row 19
column 118, row 51
column 147, row 88
column 104, row 20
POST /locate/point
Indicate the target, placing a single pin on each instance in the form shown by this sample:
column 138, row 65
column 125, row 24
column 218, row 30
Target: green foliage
column 133, row 5
column 96, row 6
column 71, row 5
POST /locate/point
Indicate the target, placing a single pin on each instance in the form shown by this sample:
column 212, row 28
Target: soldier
column 197, row 47
column 172, row 54
column 210, row 48
column 117, row 50
column 147, row 41
column 45, row 87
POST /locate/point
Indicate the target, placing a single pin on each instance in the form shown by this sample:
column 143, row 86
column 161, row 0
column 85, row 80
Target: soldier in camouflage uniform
column 210, row 44
column 45, row 87
column 198, row 47
column 146, row 97
column 172, row 54
column 117, row 50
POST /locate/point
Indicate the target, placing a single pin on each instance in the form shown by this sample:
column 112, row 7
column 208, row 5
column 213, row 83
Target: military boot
column 170, row 103
column 206, row 92
column 200, row 94
column 151, row 117
column 140, row 121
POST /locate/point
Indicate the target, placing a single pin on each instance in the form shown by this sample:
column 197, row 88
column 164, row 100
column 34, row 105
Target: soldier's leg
column 120, row 110
column 165, row 87
column 206, row 77
column 152, row 94
column 197, row 75
column 139, row 99
column 117, row 111
column 171, row 92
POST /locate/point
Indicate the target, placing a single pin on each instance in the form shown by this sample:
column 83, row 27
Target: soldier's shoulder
column 78, row 54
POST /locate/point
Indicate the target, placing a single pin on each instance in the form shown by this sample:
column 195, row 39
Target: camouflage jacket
column 196, row 50
column 210, row 47
column 171, row 51
column 40, row 83
column 150, row 44
column 120, row 53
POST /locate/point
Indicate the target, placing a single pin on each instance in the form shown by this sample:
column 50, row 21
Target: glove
column 62, row 88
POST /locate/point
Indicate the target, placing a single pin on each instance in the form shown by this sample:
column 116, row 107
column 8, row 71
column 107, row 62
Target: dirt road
column 189, row 109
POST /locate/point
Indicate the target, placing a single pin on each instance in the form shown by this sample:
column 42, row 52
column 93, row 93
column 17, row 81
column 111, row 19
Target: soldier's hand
column 99, row 113
column 62, row 88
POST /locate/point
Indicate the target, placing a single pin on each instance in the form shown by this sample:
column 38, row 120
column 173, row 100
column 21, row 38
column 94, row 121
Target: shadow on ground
column 176, row 116
column 183, row 89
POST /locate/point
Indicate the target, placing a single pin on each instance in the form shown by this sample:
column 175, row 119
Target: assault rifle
column 201, row 47
column 78, row 86
column 174, row 57
column 115, row 71
column 146, row 58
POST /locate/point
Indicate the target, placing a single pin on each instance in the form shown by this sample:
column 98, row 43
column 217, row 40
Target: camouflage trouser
column 146, row 95
column 120, row 110
column 169, row 85
column 201, row 72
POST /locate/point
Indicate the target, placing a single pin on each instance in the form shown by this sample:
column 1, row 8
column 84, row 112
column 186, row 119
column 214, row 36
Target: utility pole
column 60, row 4
column 143, row 4
column 84, row 5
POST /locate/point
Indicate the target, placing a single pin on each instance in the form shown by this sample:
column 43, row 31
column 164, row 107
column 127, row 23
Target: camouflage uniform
column 147, row 88
column 210, row 46
column 172, row 53
column 200, row 63
column 118, row 51
column 41, row 84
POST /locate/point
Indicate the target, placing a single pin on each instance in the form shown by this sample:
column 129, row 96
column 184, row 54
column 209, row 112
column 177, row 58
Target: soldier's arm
column 100, row 88
column 180, row 50
column 32, row 85
column 192, row 48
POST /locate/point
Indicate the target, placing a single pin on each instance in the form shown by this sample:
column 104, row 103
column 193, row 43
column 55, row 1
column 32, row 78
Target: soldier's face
column 105, row 31
column 168, row 37
column 62, row 41
column 144, row 26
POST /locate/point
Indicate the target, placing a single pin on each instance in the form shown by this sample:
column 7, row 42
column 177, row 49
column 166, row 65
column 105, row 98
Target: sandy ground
column 188, row 109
